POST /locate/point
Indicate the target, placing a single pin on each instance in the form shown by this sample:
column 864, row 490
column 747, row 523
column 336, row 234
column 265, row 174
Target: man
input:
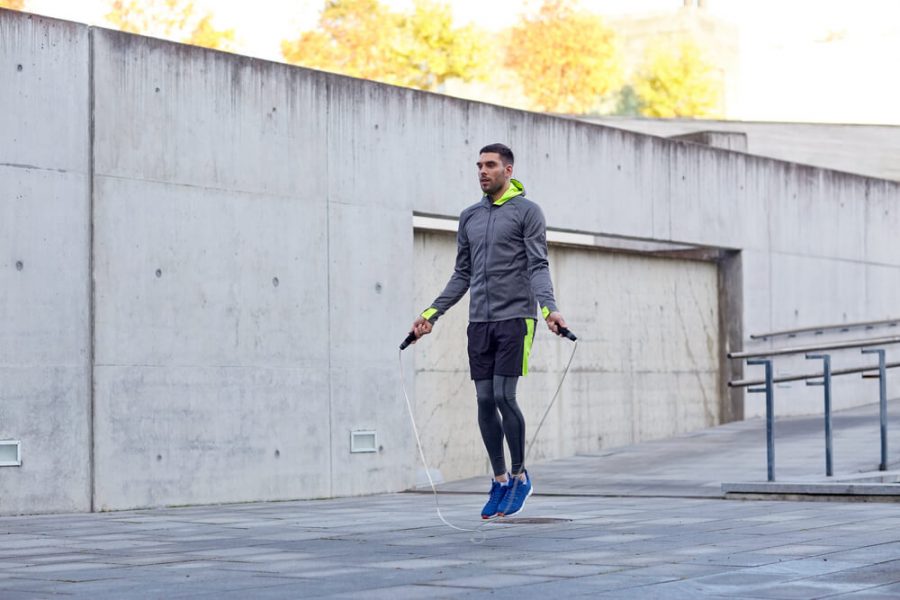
column 502, row 260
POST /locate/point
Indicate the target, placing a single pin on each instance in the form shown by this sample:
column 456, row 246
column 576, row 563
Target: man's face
column 493, row 175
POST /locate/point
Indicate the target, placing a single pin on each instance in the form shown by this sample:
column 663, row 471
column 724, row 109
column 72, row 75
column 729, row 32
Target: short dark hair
column 506, row 155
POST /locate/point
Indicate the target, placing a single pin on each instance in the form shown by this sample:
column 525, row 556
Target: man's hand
column 421, row 327
column 555, row 321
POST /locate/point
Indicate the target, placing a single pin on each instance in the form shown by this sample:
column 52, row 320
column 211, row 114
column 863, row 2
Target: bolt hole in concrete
column 378, row 288
column 159, row 272
column 533, row 520
column 159, row 457
column 19, row 265
column 275, row 281
column 18, row 67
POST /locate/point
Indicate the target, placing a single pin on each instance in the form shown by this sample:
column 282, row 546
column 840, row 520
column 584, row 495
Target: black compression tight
column 496, row 398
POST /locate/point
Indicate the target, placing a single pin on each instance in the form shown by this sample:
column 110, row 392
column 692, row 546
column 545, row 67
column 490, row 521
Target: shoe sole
column 528, row 495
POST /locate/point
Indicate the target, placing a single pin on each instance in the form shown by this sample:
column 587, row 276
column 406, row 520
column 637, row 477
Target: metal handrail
column 823, row 328
column 769, row 390
column 818, row 347
column 786, row 378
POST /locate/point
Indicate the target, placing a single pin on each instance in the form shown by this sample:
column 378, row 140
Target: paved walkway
column 637, row 522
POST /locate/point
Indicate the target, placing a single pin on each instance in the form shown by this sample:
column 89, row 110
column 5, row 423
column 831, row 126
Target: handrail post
column 882, row 402
column 770, row 414
column 826, row 384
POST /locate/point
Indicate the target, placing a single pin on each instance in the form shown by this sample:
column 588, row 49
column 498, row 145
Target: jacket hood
column 516, row 188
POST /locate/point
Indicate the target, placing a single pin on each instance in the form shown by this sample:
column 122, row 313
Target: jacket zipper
column 487, row 255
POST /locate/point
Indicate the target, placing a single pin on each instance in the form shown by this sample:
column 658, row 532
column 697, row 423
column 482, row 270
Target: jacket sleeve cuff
column 547, row 309
column 431, row 314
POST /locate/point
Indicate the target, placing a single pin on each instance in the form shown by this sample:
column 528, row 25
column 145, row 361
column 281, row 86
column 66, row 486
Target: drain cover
column 533, row 520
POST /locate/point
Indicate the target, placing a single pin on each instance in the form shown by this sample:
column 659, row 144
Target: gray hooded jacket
column 501, row 259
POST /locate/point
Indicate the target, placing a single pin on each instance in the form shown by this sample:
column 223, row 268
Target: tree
column 353, row 38
column 565, row 58
column 678, row 82
column 433, row 51
column 13, row 4
column 363, row 38
column 627, row 102
column 176, row 20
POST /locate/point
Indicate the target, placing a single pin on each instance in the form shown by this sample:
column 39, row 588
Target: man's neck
column 496, row 196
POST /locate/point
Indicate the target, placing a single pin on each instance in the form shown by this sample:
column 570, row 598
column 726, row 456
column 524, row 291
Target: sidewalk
column 637, row 522
column 695, row 465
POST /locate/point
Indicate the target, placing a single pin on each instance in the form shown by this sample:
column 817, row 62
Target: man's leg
column 514, row 345
column 504, row 393
column 520, row 487
column 481, row 363
column 491, row 428
column 492, row 435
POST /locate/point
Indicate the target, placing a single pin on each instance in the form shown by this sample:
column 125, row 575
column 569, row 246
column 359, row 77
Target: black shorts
column 500, row 348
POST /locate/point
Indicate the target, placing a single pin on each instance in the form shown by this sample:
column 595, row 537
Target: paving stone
column 491, row 581
column 797, row 590
column 882, row 592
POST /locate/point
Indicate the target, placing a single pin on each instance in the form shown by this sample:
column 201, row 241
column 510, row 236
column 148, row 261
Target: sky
column 801, row 60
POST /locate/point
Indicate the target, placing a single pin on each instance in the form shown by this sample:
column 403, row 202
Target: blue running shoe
column 515, row 499
column 496, row 496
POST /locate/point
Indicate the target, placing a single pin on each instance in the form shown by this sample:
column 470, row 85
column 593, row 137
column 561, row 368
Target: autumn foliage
column 364, row 38
column 676, row 81
column 565, row 58
column 176, row 20
column 13, row 4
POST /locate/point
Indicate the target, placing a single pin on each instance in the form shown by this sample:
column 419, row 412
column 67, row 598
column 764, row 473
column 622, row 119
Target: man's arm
column 534, row 230
column 455, row 289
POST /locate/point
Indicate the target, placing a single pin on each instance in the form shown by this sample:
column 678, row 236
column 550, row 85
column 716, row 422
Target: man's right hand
column 421, row 327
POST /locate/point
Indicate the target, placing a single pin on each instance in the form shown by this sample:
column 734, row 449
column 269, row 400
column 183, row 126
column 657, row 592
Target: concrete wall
column 238, row 278
column 247, row 228
column 872, row 150
column 45, row 335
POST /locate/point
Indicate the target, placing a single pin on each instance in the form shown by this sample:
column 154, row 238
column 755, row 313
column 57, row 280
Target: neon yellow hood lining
column 515, row 189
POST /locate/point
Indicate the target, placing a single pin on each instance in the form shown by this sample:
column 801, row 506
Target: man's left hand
column 555, row 321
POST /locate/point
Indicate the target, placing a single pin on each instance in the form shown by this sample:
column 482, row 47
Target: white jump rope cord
column 479, row 531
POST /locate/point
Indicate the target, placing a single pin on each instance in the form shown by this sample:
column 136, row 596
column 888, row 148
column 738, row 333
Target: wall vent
column 10, row 453
column 363, row 441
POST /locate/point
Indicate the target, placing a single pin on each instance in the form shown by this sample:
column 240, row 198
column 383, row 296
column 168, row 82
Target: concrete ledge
column 830, row 491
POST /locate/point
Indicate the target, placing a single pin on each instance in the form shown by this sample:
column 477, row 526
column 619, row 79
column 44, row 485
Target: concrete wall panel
column 45, row 335
column 370, row 310
column 871, row 150
column 832, row 206
column 212, row 278
column 882, row 224
column 200, row 276
column 44, row 80
column 174, row 113
column 194, row 435
column 800, row 283
column 45, row 407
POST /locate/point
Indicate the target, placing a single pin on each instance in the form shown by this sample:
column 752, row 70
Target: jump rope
column 478, row 534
